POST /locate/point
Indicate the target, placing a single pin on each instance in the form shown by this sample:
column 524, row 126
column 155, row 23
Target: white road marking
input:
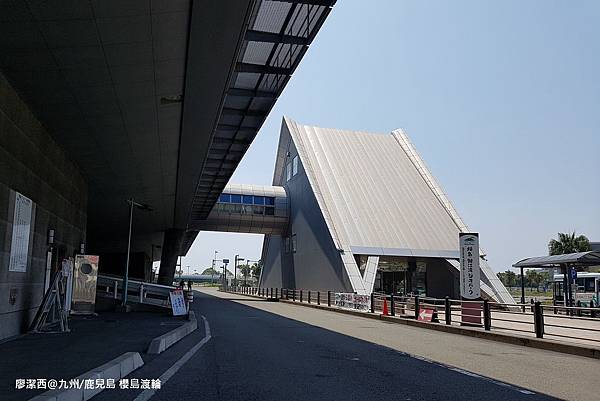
column 147, row 394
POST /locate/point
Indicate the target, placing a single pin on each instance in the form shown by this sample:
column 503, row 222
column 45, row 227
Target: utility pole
column 235, row 264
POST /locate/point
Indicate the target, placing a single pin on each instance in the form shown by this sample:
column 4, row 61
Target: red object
column 385, row 308
column 425, row 315
column 471, row 313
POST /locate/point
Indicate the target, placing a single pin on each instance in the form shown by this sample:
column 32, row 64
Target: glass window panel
column 295, row 165
column 225, row 198
column 270, row 211
column 259, row 200
column 246, row 209
column 237, row 208
column 289, row 171
column 294, row 243
column 247, row 199
column 236, row 198
column 258, row 209
column 269, row 200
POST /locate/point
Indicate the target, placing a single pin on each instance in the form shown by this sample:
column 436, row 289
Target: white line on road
column 147, row 394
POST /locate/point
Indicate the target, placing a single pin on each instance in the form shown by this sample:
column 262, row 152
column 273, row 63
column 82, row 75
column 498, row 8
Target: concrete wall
column 32, row 164
column 316, row 264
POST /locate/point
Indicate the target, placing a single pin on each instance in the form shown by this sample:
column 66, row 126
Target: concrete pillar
column 170, row 251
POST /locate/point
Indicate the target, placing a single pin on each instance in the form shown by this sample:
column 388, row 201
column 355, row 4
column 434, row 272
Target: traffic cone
column 385, row 308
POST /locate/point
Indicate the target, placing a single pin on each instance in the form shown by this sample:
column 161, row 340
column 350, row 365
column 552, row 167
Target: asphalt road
column 257, row 355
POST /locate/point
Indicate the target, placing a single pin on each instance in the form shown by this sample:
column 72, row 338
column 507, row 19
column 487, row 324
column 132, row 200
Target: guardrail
column 579, row 324
column 137, row 291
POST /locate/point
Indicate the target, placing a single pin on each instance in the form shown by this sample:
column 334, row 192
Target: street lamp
column 235, row 264
column 212, row 273
column 141, row 206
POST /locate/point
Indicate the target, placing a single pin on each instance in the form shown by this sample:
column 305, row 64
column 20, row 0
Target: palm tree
column 568, row 243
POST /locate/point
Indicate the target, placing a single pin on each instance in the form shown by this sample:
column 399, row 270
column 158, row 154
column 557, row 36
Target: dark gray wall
column 442, row 279
column 34, row 165
column 316, row 265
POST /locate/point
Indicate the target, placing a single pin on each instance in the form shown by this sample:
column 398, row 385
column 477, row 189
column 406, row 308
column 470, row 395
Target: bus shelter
column 567, row 263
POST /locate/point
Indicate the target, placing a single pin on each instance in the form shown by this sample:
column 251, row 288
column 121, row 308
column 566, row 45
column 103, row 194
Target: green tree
column 256, row 269
column 210, row 272
column 508, row 278
column 245, row 270
column 568, row 243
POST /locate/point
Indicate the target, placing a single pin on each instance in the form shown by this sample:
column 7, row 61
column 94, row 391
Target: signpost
column 469, row 278
column 178, row 303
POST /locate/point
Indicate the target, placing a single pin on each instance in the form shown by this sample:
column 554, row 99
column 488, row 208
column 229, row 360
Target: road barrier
column 574, row 323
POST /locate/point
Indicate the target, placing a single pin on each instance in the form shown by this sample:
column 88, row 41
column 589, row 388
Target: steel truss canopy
column 278, row 35
column 154, row 100
column 590, row 258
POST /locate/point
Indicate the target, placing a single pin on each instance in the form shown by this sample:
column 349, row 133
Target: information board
column 178, row 303
column 19, row 248
column 348, row 300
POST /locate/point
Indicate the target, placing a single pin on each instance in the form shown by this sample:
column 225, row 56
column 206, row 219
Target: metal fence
column 576, row 324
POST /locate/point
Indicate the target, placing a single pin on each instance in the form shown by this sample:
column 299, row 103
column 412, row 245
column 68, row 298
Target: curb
column 161, row 343
column 116, row 369
column 532, row 342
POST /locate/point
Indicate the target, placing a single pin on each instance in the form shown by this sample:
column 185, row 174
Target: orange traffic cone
column 385, row 308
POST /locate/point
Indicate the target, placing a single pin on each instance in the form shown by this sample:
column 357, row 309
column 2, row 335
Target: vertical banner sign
column 19, row 248
column 469, row 265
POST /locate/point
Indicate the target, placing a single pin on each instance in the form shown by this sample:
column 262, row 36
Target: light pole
column 142, row 206
column 235, row 264
column 212, row 273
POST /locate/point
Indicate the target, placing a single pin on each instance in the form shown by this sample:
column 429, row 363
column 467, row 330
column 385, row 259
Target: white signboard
column 348, row 300
column 469, row 265
column 19, row 248
column 178, row 303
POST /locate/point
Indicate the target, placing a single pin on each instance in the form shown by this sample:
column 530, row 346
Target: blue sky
column 509, row 88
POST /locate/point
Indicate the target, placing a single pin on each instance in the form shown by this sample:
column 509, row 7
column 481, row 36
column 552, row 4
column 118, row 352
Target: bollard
column 294, row 295
column 141, row 293
column 392, row 305
column 487, row 315
column 277, row 293
column 287, row 294
column 318, row 297
column 300, row 295
column 328, row 298
column 372, row 303
column 579, row 306
column 116, row 290
column 417, row 307
column 592, row 311
column 308, row 296
column 448, row 310
column 538, row 319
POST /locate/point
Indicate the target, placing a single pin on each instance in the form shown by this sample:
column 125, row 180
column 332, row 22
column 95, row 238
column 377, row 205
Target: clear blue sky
column 512, row 87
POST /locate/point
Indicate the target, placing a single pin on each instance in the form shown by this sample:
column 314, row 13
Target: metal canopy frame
column 566, row 261
column 278, row 36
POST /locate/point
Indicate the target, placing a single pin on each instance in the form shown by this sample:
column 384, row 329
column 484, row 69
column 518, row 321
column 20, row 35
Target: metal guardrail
column 543, row 321
column 137, row 291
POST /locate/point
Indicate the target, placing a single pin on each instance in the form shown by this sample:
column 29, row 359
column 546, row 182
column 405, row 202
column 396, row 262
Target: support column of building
column 170, row 251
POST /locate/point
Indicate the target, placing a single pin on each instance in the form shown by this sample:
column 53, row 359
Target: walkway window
column 236, row 198
column 259, row 200
column 289, row 171
column 225, row 198
column 270, row 201
column 270, row 211
column 295, row 165
column 247, row 199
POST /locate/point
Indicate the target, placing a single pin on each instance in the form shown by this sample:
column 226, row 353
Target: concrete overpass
column 103, row 101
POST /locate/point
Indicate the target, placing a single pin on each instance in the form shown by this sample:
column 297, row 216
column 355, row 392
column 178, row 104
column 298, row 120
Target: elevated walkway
column 254, row 209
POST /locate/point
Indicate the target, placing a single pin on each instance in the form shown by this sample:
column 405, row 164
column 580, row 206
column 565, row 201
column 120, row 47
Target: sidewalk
column 93, row 341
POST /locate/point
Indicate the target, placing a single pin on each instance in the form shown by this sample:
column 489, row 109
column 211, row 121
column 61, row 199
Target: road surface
column 253, row 354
